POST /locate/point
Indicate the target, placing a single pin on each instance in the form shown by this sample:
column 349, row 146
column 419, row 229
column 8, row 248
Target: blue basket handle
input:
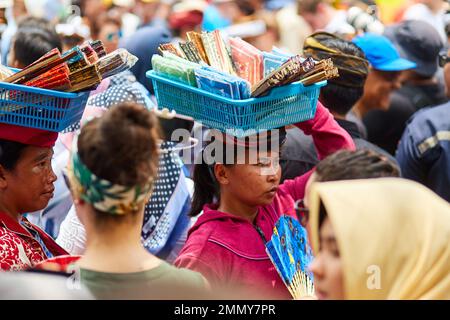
column 276, row 92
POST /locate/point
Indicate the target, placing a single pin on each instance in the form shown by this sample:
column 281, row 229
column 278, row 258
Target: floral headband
column 102, row 194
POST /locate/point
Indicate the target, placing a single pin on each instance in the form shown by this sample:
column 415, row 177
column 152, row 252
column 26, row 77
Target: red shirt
column 18, row 249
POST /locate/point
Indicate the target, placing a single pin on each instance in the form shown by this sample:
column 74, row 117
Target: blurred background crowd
column 283, row 23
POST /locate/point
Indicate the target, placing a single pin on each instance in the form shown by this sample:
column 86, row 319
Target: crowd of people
column 110, row 205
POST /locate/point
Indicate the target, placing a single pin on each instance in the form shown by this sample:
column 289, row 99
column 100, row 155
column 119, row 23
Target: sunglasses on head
column 443, row 59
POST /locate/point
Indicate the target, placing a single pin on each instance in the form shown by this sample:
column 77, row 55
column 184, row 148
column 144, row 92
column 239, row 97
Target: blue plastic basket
column 283, row 106
column 40, row 108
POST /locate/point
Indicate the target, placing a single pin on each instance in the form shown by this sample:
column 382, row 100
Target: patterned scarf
column 102, row 194
column 353, row 70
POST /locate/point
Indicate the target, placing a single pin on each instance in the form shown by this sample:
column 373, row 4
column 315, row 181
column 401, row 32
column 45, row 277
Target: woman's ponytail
column 205, row 187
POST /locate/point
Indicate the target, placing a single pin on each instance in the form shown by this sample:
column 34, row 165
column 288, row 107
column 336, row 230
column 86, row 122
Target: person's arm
column 72, row 235
column 327, row 134
column 409, row 158
column 328, row 138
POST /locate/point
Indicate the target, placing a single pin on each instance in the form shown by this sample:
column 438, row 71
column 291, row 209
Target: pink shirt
column 229, row 250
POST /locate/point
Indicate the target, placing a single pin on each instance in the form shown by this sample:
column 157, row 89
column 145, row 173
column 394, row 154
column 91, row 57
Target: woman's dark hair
column 246, row 7
column 340, row 99
column 337, row 97
column 359, row 164
column 10, row 152
column 168, row 126
column 121, row 147
column 37, row 23
column 322, row 214
column 34, row 38
column 206, row 187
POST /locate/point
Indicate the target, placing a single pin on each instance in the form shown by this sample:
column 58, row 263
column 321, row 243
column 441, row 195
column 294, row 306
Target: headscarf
column 353, row 70
column 102, row 194
column 28, row 136
column 395, row 226
column 144, row 44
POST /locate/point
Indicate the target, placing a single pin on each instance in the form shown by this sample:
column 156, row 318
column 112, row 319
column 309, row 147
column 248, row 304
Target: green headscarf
column 102, row 194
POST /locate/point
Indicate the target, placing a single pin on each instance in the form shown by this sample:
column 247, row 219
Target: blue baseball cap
column 381, row 53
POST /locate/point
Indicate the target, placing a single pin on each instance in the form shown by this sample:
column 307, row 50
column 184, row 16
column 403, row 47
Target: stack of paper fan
column 81, row 68
column 291, row 255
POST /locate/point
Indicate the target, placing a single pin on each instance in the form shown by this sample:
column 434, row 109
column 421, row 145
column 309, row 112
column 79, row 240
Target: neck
column 435, row 6
column 105, row 250
column 229, row 205
column 337, row 116
column 359, row 109
column 9, row 209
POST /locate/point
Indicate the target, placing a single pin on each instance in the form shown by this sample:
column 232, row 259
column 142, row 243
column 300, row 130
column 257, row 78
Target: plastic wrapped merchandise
column 287, row 73
column 196, row 38
column 222, row 84
column 85, row 79
column 99, row 48
column 248, row 60
column 48, row 61
column 190, row 51
column 281, row 53
column 170, row 47
column 5, row 72
column 174, row 57
column 218, row 52
column 272, row 62
column 171, row 56
column 116, row 62
column 79, row 61
column 90, row 53
column 177, row 70
column 56, row 78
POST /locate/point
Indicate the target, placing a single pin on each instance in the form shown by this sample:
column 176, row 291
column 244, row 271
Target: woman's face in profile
column 327, row 266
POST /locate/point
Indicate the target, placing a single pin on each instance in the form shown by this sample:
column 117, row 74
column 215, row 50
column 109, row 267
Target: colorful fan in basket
column 291, row 254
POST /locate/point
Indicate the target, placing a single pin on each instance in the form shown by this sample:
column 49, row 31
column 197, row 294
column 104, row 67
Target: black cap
column 419, row 42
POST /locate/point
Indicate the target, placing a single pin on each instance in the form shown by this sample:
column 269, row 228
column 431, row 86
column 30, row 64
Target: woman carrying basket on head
column 26, row 185
column 241, row 204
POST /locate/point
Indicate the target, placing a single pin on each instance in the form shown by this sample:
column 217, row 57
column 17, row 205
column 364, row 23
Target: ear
column 321, row 7
column 3, row 180
column 80, row 209
column 221, row 173
column 16, row 64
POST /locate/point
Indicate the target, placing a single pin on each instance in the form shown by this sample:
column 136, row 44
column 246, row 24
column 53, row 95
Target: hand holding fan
column 291, row 254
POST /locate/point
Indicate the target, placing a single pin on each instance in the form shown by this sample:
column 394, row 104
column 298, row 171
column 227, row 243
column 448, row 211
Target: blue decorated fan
column 291, row 255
